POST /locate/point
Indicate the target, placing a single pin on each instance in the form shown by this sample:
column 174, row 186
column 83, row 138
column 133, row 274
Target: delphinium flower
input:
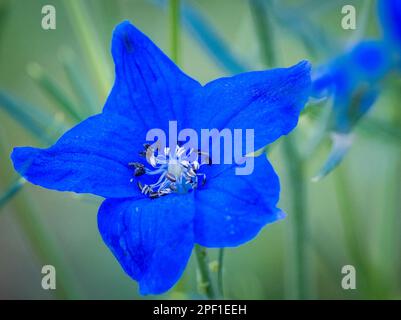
column 159, row 203
column 390, row 21
column 353, row 80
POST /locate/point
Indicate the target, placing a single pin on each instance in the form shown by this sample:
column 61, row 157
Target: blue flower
column 390, row 20
column 352, row 80
column 149, row 220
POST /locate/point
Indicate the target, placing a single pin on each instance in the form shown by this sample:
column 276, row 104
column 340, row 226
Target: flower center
column 172, row 170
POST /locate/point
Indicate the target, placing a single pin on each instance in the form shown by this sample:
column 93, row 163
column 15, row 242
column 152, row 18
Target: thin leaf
column 11, row 191
column 79, row 86
column 32, row 118
column 175, row 34
column 209, row 37
column 264, row 27
column 53, row 90
column 298, row 23
column 204, row 32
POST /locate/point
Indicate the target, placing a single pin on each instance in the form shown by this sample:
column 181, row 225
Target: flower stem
column 299, row 265
column 175, row 18
column 79, row 85
column 264, row 29
column 298, row 245
column 87, row 35
column 204, row 284
column 220, row 273
column 349, row 223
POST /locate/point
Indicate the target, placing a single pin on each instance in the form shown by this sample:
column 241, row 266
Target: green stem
column 220, row 271
column 78, row 83
column 349, row 223
column 205, row 285
column 264, row 29
column 299, row 266
column 394, row 247
column 299, row 262
column 175, row 18
column 88, row 36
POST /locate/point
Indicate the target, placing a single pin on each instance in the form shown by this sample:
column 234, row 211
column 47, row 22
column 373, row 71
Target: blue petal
column 390, row 19
column 148, row 85
column 267, row 101
column 235, row 208
column 152, row 239
column 370, row 59
column 92, row 157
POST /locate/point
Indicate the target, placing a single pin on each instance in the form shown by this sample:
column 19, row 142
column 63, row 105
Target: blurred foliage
column 51, row 79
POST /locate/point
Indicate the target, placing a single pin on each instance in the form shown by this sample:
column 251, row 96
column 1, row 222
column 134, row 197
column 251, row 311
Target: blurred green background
column 353, row 215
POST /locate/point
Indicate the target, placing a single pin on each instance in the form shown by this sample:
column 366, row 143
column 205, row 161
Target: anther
column 195, row 165
column 171, row 177
column 174, row 169
column 145, row 189
column 139, row 168
column 154, row 195
column 191, row 173
column 185, row 164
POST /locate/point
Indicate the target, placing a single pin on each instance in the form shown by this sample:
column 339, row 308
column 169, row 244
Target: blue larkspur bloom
column 152, row 232
column 390, row 21
column 353, row 80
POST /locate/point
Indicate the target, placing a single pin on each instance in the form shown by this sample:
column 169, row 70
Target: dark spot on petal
column 128, row 43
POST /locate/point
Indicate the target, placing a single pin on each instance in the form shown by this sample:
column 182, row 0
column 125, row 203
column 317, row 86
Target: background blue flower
column 390, row 21
column 353, row 80
column 153, row 238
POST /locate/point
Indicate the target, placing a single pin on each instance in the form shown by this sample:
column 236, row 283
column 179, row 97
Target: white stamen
column 177, row 172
